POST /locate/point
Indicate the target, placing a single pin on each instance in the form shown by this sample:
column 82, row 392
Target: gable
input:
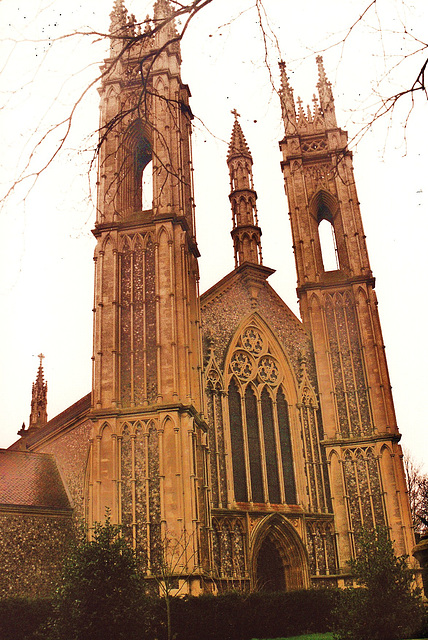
column 232, row 302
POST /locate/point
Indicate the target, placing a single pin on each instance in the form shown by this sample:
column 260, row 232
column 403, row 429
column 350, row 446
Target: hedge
column 232, row 616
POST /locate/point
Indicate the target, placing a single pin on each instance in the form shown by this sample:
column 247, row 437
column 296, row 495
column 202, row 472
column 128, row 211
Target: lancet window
column 262, row 461
column 136, row 170
column 328, row 245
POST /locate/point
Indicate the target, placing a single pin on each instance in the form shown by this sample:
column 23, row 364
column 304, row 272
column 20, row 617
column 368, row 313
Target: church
column 237, row 445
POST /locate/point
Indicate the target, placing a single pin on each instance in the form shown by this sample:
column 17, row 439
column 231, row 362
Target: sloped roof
column 73, row 413
column 31, row 480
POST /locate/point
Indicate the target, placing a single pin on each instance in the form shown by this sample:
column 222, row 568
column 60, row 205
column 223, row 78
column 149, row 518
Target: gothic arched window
column 270, row 447
column 135, row 172
column 286, row 451
column 328, row 245
column 254, row 452
column 262, row 461
column 147, row 186
column 237, row 438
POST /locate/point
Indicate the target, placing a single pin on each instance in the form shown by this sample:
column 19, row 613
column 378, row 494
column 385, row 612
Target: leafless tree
column 417, row 483
column 182, row 14
column 173, row 569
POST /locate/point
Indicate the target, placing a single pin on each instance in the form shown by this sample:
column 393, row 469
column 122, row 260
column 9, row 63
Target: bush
column 100, row 595
column 385, row 607
column 237, row 616
column 233, row 616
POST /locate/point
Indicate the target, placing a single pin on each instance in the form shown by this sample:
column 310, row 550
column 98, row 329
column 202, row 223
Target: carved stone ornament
column 242, row 365
column 252, row 341
column 268, row 370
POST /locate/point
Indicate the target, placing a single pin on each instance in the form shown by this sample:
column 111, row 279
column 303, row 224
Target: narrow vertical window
column 286, row 452
column 147, row 186
column 270, row 449
column 237, row 438
column 254, row 446
column 143, row 175
column 328, row 245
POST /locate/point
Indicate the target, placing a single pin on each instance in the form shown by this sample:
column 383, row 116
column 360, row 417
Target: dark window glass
column 236, row 435
column 254, row 446
column 286, row 453
column 270, row 448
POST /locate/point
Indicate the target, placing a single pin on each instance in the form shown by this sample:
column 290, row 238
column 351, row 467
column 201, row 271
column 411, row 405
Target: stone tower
column 147, row 457
column 339, row 310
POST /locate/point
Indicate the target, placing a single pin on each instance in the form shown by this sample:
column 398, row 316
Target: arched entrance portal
column 270, row 568
column 279, row 558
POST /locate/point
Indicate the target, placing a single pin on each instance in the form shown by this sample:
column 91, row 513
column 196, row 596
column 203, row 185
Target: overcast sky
column 46, row 267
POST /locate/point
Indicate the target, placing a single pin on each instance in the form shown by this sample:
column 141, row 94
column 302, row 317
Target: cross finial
column 235, row 113
column 41, row 357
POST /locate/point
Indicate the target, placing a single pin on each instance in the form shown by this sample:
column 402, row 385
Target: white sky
column 46, row 268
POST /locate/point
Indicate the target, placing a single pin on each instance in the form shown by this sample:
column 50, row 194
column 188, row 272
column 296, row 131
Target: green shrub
column 100, row 596
column 88, row 612
column 237, row 616
column 385, row 607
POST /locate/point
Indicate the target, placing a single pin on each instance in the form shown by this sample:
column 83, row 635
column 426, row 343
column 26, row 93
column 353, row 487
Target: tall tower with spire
column 339, row 310
column 146, row 463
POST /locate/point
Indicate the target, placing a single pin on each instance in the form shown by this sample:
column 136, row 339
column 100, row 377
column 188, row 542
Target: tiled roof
column 31, row 480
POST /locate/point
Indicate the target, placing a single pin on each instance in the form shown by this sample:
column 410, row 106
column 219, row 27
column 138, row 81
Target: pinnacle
column 118, row 15
column 324, row 86
column 284, row 77
column 238, row 145
column 162, row 9
column 287, row 100
column 38, row 415
column 321, row 70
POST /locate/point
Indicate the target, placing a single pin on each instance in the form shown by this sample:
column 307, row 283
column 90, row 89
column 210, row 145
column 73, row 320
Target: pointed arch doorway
column 279, row 558
column 270, row 570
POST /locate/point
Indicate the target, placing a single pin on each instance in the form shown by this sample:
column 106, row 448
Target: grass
column 310, row 636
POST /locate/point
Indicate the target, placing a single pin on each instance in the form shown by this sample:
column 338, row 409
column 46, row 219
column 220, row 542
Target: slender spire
column 238, row 145
column 246, row 233
column 287, row 101
column 38, row 415
column 326, row 95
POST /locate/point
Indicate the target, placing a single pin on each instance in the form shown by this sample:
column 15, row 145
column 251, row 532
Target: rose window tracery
column 252, row 359
column 268, row 370
column 252, row 341
column 242, row 365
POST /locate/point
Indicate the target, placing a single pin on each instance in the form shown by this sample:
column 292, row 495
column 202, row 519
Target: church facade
column 237, row 445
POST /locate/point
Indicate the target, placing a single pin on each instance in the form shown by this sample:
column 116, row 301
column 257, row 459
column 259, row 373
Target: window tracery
column 259, row 422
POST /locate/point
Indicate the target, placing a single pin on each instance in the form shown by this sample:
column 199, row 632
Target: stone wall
column 71, row 452
column 32, row 548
